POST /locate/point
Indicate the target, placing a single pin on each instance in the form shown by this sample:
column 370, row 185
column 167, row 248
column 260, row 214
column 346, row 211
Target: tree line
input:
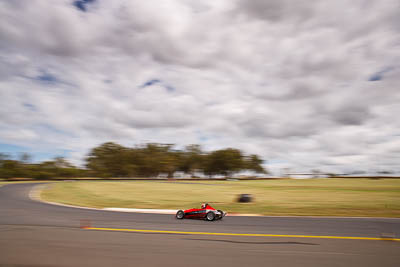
column 56, row 168
column 148, row 160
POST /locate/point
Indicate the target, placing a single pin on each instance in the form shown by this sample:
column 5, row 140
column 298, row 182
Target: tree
column 109, row 159
column 11, row 168
column 254, row 163
column 192, row 159
column 159, row 158
column 153, row 159
column 225, row 162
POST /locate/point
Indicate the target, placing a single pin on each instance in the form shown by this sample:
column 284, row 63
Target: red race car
column 205, row 212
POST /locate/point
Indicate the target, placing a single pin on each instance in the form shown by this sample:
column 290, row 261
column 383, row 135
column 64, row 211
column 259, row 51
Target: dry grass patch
column 318, row 197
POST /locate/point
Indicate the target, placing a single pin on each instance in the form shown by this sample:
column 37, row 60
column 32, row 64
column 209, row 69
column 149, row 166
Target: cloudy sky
column 305, row 84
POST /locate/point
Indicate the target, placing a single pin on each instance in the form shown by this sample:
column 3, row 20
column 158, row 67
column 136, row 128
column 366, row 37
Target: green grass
column 318, row 197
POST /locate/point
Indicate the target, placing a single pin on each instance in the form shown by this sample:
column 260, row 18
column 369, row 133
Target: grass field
column 319, row 197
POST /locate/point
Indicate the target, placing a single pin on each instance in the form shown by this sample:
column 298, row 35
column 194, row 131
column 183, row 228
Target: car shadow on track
column 256, row 243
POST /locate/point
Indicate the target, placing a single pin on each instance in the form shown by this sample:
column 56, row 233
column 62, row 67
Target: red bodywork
column 198, row 213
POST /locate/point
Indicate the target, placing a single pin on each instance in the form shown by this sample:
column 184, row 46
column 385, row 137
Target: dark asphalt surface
column 39, row 234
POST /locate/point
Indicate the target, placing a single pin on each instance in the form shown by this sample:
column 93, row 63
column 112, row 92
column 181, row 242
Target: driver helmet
column 204, row 205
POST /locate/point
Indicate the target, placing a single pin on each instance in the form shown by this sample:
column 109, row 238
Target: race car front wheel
column 210, row 216
column 180, row 214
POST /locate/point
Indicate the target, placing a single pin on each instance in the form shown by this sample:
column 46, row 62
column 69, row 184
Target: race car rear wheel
column 210, row 216
column 222, row 214
column 180, row 214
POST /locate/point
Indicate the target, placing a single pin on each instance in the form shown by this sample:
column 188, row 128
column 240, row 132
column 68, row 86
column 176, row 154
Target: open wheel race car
column 205, row 212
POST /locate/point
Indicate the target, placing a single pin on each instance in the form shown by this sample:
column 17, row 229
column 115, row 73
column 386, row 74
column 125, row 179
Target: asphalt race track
column 39, row 234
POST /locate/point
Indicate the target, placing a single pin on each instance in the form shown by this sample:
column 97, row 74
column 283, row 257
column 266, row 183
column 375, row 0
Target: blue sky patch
column 8, row 149
column 82, row 4
column 47, row 77
column 14, row 151
column 379, row 75
column 29, row 106
column 376, row 77
column 150, row 83
column 170, row 88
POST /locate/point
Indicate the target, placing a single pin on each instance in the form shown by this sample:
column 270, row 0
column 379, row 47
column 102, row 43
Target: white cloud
column 289, row 81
